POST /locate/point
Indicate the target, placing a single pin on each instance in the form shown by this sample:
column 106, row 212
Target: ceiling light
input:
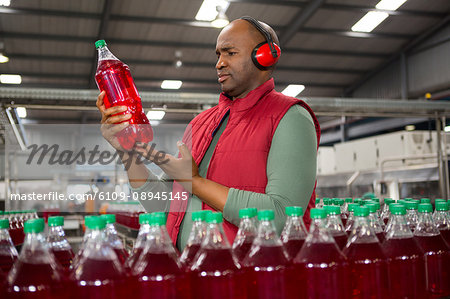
column 208, row 10
column 447, row 129
column 5, row 2
column 178, row 64
column 171, row 84
column 3, row 58
column 293, row 90
column 21, row 111
column 410, row 127
column 371, row 20
column 221, row 20
column 156, row 114
column 10, row 79
column 390, row 4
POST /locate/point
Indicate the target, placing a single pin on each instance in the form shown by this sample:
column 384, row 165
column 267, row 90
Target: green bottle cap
column 334, row 201
column 425, row 208
column 439, row 199
column 4, row 223
column 95, row 222
column 408, row 199
column 144, row 218
column 266, row 215
column 378, row 205
column 348, row 200
column 294, row 211
column 247, row 213
column 376, row 199
column 100, row 43
column 361, row 211
column 56, row 221
column 199, row 215
column 339, row 201
column 352, row 206
column 214, row 217
column 425, row 200
column 402, row 202
column 372, row 208
column 34, row 226
column 326, row 200
column 388, row 201
column 411, row 205
column 441, row 206
column 334, row 210
column 87, row 219
column 318, row 213
column 317, row 201
column 397, row 209
column 1, row 213
column 326, row 208
column 158, row 219
column 109, row 218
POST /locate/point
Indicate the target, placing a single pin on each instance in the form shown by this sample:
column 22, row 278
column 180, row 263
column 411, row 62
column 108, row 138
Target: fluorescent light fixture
column 370, row 21
column 447, row 129
column 22, row 112
column 221, row 21
column 171, row 84
column 390, row 4
column 293, row 90
column 5, row 2
column 410, row 127
column 3, row 58
column 156, row 114
column 208, row 10
column 10, row 79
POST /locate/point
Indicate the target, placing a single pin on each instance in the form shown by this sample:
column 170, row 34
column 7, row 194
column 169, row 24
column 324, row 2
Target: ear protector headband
column 267, row 53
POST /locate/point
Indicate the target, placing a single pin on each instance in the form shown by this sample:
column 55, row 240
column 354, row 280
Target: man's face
column 236, row 72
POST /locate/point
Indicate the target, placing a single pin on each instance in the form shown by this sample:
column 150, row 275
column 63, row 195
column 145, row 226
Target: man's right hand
column 111, row 123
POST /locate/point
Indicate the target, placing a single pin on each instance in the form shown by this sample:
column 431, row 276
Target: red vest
column 240, row 156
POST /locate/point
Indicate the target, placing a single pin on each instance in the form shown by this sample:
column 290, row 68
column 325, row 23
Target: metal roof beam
column 346, row 33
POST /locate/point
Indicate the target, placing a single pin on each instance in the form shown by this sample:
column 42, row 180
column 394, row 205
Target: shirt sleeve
column 291, row 170
column 154, row 187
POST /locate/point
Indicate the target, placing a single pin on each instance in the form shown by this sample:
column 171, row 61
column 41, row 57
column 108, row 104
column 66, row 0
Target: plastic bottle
column 266, row 264
column 321, row 268
column 344, row 210
column 368, row 264
column 36, row 273
column 216, row 273
column 114, row 77
column 246, row 233
column 294, row 232
column 350, row 219
column 158, row 272
column 385, row 212
column 374, row 222
column 8, row 253
column 335, row 227
column 195, row 239
column 99, row 274
column 389, row 223
column 113, row 239
column 86, row 237
column 411, row 214
column 437, row 253
column 58, row 243
column 144, row 221
column 436, row 203
column 442, row 220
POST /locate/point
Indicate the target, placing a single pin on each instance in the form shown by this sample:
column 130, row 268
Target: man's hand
column 112, row 123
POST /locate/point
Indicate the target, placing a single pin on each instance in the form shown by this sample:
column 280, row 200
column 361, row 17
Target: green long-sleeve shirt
column 291, row 173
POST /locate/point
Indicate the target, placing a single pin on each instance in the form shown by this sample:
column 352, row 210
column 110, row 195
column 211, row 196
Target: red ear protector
column 267, row 53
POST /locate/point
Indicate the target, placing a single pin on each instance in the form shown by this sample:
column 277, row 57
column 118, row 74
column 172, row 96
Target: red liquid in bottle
column 6, row 262
column 114, row 77
column 292, row 247
column 217, row 276
column 99, row 279
column 368, row 270
column 381, row 237
column 162, row 278
column 341, row 240
column 437, row 259
column 344, row 220
column 271, row 279
column 36, row 281
column 406, row 266
column 241, row 251
column 191, row 252
column 134, row 257
column 445, row 233
column 322, row 272
column 64, row 257
column 122, row 255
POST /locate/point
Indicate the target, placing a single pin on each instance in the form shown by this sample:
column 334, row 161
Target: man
column 256, row 148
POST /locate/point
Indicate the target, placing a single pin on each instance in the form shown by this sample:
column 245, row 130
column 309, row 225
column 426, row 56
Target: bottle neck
column 398, row 228
column 142, row 235
column 294, row 230
column 215, row 237
column 158, row 240
column 105, row 54
column 425, row 226
column 373, row 221
column 247, row 231
column 362, row 232
column 334, row 224
column 441, row 220
column 56, row 238
column 267, row 234
column 35, row 250
column 318, row 232
column 197, row 234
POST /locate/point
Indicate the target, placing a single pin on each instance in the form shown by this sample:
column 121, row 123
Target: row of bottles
column 16, row 222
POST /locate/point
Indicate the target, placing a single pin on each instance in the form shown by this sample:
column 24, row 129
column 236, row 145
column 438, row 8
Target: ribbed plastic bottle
column 368, row 264
column 442, row 220
column 266, row 264
column 59, row 245
column 8, row 253
column 216, row 273
column 86, row 237
column 36, row 273
column 294, row 232
column 99, row 274
column 350, row 219
column 374, row 222
column 406, row 263
column 113, row 239
column 436, row 202
column 114, row 77
column 389, row 223
column 144, row 221
column 335, row 227
column 246, row 233
column 437, row 253
column 344, row 210
column 195, row 239
column 411, row 214
column 321, row 268
column 385, row 213
column 158, row 272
